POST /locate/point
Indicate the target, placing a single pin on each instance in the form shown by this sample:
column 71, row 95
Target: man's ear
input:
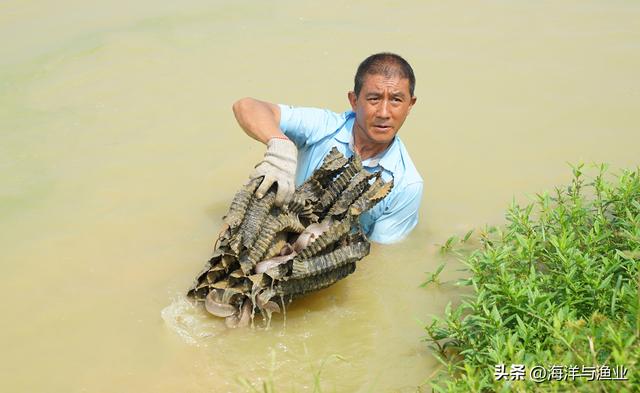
column 352, row 99
column 413, row 102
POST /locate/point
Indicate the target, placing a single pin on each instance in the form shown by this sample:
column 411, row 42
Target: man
column 382, row 97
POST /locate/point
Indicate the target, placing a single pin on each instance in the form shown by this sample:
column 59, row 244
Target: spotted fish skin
column 306, row 194
column 215, row 274
column 289, row 222
column 212, row 269
column 333, row 163
column 276, row 246
column 299, row 286
column 376, row 192
column 240, row 202
column 326, row 262
column 256, row 213
column 340, row 183
column 253, row 261
column 200, row 291
column 261, row 245
column 311, row 190
column 358, row 185
column 327, row 238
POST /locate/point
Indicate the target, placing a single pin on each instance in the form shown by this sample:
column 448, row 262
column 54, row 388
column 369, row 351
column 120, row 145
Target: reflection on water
column 119, row 155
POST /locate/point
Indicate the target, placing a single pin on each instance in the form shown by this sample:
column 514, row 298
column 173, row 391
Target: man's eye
column 373, row 99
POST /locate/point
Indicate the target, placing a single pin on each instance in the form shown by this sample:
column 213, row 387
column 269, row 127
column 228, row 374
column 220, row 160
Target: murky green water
column 119, row 155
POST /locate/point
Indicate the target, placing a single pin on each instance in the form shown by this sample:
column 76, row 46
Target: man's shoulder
column 320, row 114
column 307, row 126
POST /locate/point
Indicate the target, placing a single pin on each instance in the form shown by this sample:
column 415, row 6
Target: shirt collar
column 388, row 159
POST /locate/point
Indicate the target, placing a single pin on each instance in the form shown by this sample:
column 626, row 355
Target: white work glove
column 278, row 166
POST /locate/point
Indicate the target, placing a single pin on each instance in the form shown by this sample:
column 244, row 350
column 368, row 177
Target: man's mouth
column 382, row 127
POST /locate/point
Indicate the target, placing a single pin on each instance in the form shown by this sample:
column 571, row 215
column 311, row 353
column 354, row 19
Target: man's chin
column 382, row 137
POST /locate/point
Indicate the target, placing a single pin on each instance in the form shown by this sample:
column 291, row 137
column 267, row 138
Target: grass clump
column 557, row 286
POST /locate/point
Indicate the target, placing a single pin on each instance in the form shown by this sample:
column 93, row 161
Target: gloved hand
column 278, row 166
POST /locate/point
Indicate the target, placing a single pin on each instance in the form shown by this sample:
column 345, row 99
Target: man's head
column 382, row 98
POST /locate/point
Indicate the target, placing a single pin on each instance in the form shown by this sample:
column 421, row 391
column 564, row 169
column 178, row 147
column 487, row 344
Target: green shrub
column 558, row 285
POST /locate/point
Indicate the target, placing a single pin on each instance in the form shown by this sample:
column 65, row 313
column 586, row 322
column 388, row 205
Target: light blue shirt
column 316, row 131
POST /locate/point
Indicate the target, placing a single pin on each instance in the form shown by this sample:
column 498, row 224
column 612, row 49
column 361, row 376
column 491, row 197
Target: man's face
column 381, row 108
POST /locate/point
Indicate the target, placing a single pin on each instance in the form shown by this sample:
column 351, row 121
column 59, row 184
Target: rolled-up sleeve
column 401, row 216
column 306, row 126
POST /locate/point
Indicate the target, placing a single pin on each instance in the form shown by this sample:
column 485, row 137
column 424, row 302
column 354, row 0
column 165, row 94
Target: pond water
column 119, row 154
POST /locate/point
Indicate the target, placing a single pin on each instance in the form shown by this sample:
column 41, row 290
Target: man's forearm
column 259, row 119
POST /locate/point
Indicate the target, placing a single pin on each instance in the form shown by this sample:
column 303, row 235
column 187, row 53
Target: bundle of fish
column 267, row 255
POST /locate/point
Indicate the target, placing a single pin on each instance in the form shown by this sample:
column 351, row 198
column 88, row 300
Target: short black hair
column 387, row 64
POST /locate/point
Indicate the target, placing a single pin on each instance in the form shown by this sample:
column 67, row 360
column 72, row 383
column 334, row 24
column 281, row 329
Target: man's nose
column 383, row 109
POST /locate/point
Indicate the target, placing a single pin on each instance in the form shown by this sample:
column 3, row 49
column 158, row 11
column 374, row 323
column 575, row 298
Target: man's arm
column 282, row 128
column 259, row 119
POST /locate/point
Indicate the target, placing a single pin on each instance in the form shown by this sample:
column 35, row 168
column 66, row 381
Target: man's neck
column 364, row 149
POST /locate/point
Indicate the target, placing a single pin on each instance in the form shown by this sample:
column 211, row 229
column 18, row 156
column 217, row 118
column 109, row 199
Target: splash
column 188, row 321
